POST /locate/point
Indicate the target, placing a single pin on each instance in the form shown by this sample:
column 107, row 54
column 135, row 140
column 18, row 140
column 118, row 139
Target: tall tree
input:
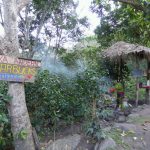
column 20, row 122
column 120, row 23
column 54, row 22
column 139, row 5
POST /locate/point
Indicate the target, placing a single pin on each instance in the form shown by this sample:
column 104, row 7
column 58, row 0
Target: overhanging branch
column 133, row 3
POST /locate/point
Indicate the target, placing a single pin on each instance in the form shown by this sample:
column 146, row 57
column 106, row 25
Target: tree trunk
column 20, row 122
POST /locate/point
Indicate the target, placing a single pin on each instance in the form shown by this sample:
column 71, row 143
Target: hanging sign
column 18, row 69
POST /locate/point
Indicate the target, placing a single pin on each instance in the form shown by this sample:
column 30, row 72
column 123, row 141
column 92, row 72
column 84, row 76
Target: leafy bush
column 53, row 98
column 95, row 131
column 106, row 114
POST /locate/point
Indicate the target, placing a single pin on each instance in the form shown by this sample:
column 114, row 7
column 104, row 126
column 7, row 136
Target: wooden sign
column 18, row 69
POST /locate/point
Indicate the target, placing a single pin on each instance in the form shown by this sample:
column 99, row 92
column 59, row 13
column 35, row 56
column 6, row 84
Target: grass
column 116, row 135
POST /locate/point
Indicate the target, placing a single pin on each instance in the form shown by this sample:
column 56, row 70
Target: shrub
column 54, row 97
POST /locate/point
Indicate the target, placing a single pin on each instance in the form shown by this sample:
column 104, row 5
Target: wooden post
column 137, row 84
column 147, row 100
column 36, row 139
column 137, row 92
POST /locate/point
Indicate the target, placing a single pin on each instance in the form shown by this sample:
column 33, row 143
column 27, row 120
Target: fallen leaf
column 131, row 131
column 123, row 134
column 134, row 138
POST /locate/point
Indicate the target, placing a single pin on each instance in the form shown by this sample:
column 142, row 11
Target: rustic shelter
column 122, row 51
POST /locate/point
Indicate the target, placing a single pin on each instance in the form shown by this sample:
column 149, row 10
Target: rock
column 106, row 144
column 145, row 106
column 125, row 126
column 107, row 129
column 67, row 143
column 134, row 110
column 122, row 118
column 131, row 116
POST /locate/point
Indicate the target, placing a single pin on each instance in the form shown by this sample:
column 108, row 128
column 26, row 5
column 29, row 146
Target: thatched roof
column 123, row 50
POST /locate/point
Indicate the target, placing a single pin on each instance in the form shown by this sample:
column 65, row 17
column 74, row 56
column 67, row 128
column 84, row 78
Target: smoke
column 55, row 66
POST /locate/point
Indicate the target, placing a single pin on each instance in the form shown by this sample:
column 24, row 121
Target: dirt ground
column 138, row 124
column 85, row 143
column 134, row 134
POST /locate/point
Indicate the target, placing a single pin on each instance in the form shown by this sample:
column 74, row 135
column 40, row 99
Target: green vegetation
column 122, row 22
column 53, row 98
column 95, row 132
column 117, row 135
column 56, row 98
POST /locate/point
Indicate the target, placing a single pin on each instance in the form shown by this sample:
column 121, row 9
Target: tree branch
column 1, row 45
column 1, row 16
column 22, row 3
column 41, row 24
column 133, row 3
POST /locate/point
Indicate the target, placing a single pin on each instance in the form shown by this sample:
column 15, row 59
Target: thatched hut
column 121, row 51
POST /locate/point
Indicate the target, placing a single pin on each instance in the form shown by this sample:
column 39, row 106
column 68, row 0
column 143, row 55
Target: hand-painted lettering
column 16, row 69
